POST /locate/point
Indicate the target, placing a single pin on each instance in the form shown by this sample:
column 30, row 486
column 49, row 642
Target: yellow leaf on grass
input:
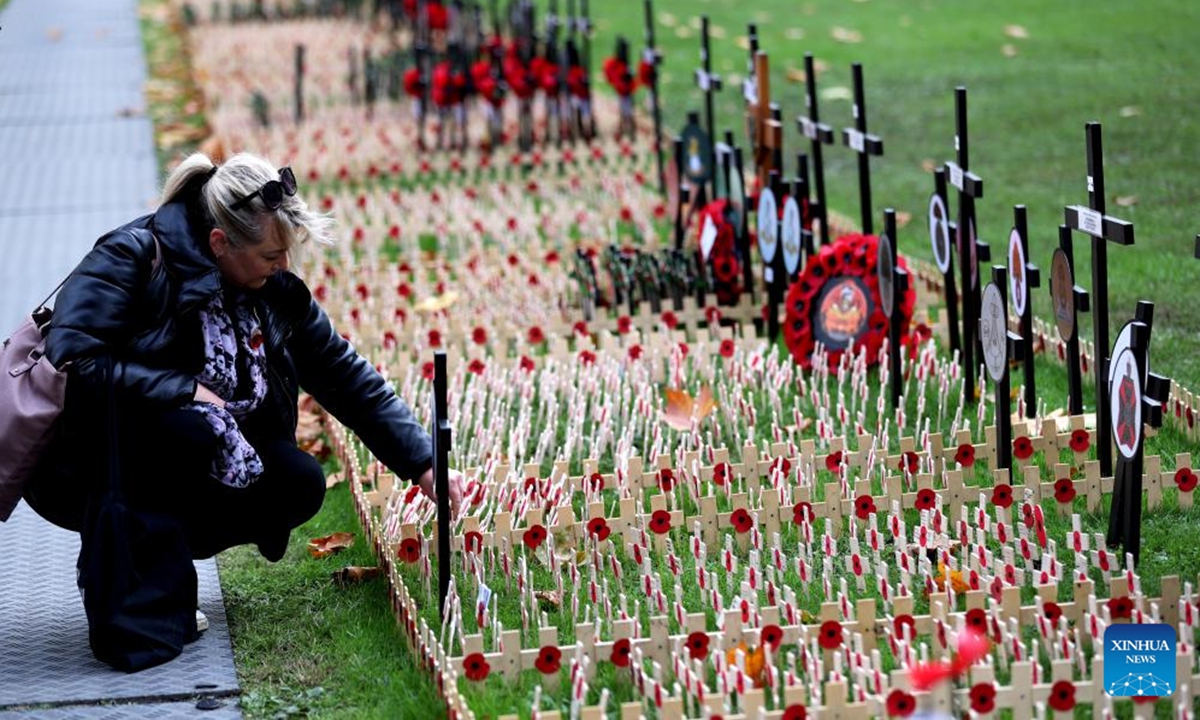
column 846, row 35
column 755, row 663
column 1127, row 200
column 330, row 544
column 1016, row 31
column 438, row 303
column 681, row 407
column 1008, row 50
column 955, row 578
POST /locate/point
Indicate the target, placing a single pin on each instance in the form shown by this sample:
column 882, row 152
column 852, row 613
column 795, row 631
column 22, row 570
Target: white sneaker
column 201, row 622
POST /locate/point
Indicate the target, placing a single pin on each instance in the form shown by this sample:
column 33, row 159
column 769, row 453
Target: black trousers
column 166, row 466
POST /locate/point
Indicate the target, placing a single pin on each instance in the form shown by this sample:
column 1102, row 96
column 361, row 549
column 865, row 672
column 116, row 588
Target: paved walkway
column 76, row 159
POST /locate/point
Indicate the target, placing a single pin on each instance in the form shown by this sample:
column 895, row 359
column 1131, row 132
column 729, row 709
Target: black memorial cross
column 654, row 58
column 750, row 87
column 1103, row 229
column 1139, row 396
column 1029, row 279
column 441, row 436
column 857, row 139
column 1011, row 346
column 298, row 101
column 896, row 289
column 708, row 82
column 820, row 134
column 970, row 187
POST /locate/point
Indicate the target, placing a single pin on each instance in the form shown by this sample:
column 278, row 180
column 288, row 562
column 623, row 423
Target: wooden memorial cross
column 857, row 139
column 441, row 474
column 940, row 230
column 1023, row 277
column 1103, row 229
column 767, row 129
column 969, row 187
column 820, row 134
column 654, row 58
column 298, row 102
column 1068, row 300
column 1137, row 399
column 999, row 346
column 893, row 284
column 708, row 82
column 750, row 87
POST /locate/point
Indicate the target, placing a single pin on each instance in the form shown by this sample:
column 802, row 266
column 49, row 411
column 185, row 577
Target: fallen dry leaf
column 1008, row 50
column 903, row 218
column 838, row 92
column 717, row 32
column 438, row 303
column 929, row 165
column 681, row 408
column 755, row 663
column 548, row 599
column 795, row 75
column 334, row 478
column 667, row 19
column 683, row 32
column 846, row 35
column 330, row 544
column 956, row 580
column 794, row 33
column 1130, row 111
column 354, row 574
column 742, row 42
column 1127, row 200
column 1016, row 31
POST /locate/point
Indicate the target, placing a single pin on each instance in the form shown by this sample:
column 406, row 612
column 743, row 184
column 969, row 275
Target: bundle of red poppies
column 449, row 86
column 616, row 72
column 727, row 271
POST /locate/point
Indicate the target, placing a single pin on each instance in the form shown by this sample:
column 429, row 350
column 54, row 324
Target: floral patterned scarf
column 235, row 363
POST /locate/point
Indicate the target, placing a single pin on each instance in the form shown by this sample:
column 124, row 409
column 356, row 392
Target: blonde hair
column 242, row 175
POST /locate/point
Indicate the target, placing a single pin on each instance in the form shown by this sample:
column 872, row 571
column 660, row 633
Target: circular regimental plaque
column 1017, row 287
column 791, row 235
column 1062, row 295
column 737, row 201
column 768, row 225
column 1125, row 394
column 939, row 232
column 993, row 332
column 697, row 154
column 885, row 273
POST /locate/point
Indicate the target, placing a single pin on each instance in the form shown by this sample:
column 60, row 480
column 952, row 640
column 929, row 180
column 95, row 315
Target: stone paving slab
column 228, row 710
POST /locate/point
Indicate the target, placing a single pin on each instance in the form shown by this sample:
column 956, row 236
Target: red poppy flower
column 1064, row 490
column 620, row 653
column 1062, row 695
column 660, row 522
column 1120, row 608
column 905, row 626
column 476, row 367
column 1052, row 612
column 535, row 336
column 833, row 461
column 635, row 352
column 697, row 645
column 581, row 329
column 910, row 462
column 864, row 506
column 666, row 480
column 900, row 704
column 479, row 336
column 1080, row 440
column 741, row 520
column 598, row 527
column 435, row 339
column 624, row 325
column 1002, row 495
column 802, row 512
column 1023, row 448
column 780, row 465
column 427, row 371
column 771, row 636
column 795, row 712
column 473, row 541
column 926, row 499
column 669, row 319
column 527, row 364
column 977, row 620
column 596, row 482
column 712, row 314
column 475, row 667
column 587, row 357
column 965, row 455
column 727, row 348
column 683, row 349
column 830, row 636
column 1185, row 479
column 534, row 537
column 983, row 698
column 549, row 660
column 721, row 473
column 410, row 550
column 1027, row 515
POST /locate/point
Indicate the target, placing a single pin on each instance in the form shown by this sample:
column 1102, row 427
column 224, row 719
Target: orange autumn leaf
column 353, row 575
column 681, row 408
column 756, row 663
column 956, row 580
column 330, row 544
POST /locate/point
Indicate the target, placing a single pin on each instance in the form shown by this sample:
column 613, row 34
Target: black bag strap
column 114, row 457
column 42, row 305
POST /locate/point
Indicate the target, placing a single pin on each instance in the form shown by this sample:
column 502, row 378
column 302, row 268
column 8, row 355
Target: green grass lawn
column 305, row 646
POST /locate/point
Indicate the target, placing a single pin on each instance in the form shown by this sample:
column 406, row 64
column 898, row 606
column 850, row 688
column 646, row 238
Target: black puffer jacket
column 120, row 303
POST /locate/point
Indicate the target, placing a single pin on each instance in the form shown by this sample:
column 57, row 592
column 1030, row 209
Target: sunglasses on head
column 272, row 191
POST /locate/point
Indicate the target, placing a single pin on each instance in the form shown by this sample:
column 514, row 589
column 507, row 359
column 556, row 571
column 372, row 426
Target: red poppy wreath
column 726, row 269
column 836, row 300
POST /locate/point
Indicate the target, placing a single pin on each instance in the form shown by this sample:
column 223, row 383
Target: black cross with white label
column 970, row 187
column 857, row 139
column 1014, row 349
column 708, row 82
column 1081, row 302
column 1103, row 229
column 899, row 287
column 654, row 58
column 298, row 100
column 1140, row 395
column 440, row 433
column 820, row 134
column 1032, row 279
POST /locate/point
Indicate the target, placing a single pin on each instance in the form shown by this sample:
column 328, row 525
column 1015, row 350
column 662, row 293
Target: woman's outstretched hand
column 205, row 395
column 425, row 482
